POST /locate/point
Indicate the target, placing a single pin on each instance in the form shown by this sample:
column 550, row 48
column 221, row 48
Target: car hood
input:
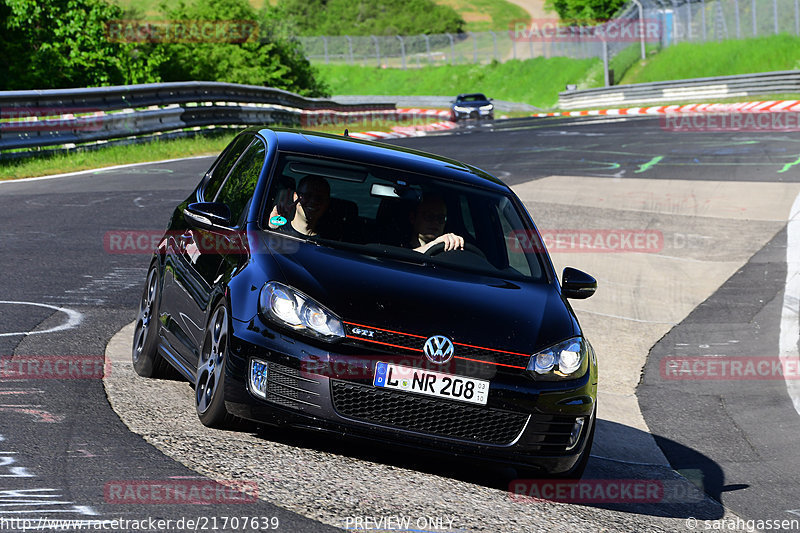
column 429, row 300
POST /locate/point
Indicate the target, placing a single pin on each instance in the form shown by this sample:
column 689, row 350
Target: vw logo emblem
column 438, row 349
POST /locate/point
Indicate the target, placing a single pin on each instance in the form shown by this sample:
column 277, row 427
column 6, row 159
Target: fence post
column 325, row 46
column 474, row 46
column 452, row 49
column 377, row 49
column 514, row 47
column 738, row 21
column 494, row 40
column 641, row 26
column 797, row 17
column 402, row 51
column 703, row 14
column 350, row 47
column 675, row 21
column 689, row 21
column 605, row 64
column 428, row 48
column 755, row 27
column 775, row 14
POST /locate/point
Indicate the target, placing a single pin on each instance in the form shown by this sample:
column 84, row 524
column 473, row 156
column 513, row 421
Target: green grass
column 533, row 81
column 150, row 8
column 165, row 149
column 485, row 15
column 113, row 155
column 724, row 58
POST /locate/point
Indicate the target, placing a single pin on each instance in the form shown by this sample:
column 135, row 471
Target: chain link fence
column 638, row 25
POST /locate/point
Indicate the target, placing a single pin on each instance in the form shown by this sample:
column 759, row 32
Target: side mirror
column 576, row 284
column 208, row 215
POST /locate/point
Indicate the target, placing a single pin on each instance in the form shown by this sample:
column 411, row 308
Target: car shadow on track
column 609, row 480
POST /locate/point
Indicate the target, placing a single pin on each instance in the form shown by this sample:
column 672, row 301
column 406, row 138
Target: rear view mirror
column 576, row 284
column 379, row 190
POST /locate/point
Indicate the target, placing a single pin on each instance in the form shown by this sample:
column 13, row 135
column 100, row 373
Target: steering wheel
column 438, row 248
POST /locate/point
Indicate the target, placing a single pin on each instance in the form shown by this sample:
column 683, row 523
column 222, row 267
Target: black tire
column 209, row 389
column 147, row 362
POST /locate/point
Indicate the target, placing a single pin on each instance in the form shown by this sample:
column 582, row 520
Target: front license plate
column 421, row 381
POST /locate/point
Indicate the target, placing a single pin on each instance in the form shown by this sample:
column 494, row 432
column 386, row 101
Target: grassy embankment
column 538, row 81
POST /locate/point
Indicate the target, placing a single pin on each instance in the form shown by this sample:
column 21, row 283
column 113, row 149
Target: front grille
column 549, row 432
column 412, row 343
column 286, row 386
column 426, row 415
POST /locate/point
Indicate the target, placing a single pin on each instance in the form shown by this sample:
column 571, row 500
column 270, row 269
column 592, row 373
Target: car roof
column 466, row 95
column 375, row 153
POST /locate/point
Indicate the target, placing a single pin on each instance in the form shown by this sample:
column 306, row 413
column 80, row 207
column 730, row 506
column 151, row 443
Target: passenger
column 428, row 221
column 312, row 198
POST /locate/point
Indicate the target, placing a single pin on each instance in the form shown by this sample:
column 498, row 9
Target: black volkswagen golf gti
column 373, row 291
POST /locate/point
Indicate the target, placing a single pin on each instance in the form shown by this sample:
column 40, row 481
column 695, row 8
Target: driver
column 428, row 221
column 312, row 198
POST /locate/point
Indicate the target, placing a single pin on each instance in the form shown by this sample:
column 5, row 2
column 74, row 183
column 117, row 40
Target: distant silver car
column 474, row 105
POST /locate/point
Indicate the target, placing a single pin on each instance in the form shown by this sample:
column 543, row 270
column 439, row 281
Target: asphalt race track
column 711, row 285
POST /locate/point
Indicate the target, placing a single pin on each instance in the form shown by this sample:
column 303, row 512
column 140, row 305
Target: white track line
column 74, row 318
column 790, row 312
column 91, row 170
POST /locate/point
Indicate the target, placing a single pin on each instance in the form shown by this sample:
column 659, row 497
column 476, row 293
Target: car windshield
column 472, row 98
column 379, row 211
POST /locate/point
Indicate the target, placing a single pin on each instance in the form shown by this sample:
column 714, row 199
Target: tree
column 372, row 17
column 47, row 44
column 585, row 11
column 266, row 57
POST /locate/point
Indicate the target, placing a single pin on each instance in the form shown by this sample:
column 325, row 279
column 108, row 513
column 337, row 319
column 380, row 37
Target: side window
column 515, row 250
column 466, row 215
column 238, row 189
column 223, row 166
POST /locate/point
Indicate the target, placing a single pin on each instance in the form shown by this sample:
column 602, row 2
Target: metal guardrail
column 683, row 90
column 32, row 120
column 429, row 101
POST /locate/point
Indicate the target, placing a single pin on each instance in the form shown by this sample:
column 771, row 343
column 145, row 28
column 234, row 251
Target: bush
column 576, row 11
column 372, row 17
column 266, row 58
column 50, row 44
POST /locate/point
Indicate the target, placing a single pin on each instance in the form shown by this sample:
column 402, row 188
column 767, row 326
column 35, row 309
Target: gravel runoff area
column 332, row 480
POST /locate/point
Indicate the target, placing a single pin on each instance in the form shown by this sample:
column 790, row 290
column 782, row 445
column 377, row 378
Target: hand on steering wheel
column 439, row 248
column 450, row 241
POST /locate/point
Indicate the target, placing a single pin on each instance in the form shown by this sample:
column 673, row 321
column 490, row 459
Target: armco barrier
column 683, row 90
column 31, row 120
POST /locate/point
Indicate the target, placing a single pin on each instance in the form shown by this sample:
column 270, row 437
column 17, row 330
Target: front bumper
column 524, row 423
column 475, row 113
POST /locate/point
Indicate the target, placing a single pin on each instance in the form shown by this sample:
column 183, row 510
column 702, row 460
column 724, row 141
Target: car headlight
column 565, row 360
column 296, row 310
column 461, row 109
column 487, row 107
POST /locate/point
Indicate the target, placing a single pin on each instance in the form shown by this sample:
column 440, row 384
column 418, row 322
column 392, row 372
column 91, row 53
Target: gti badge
column 363, row 332
column 438, row 349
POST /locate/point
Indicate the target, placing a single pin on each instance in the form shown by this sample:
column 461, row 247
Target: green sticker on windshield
column 277, row 220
